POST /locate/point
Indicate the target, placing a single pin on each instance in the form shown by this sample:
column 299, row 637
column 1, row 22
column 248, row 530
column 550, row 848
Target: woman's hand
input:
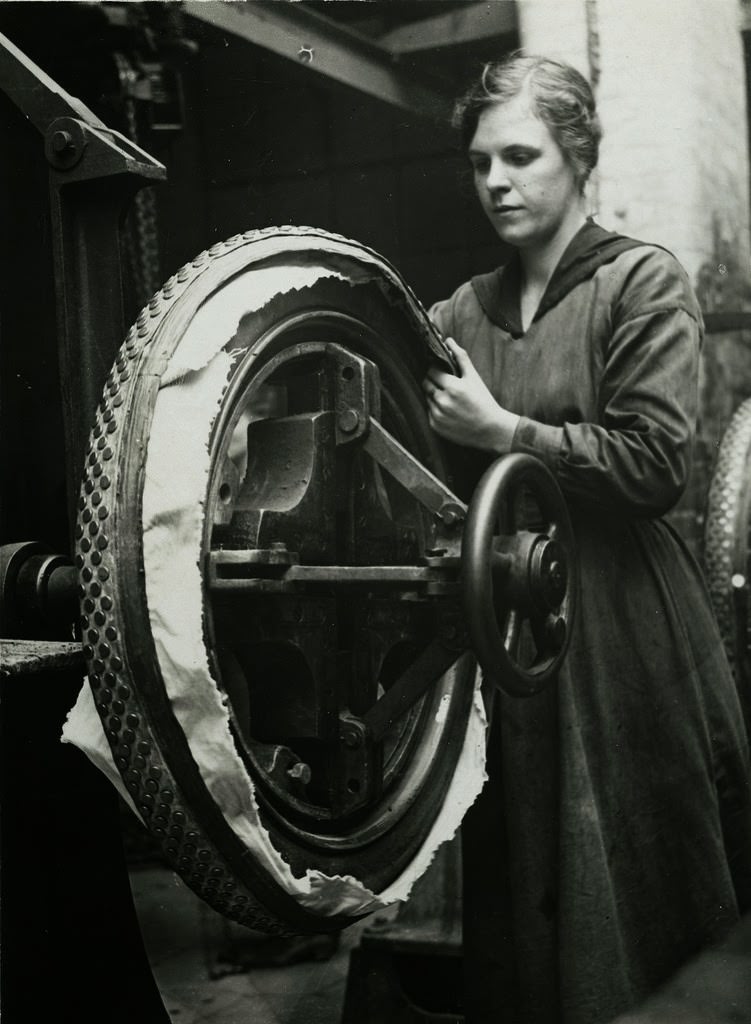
column 462, row 409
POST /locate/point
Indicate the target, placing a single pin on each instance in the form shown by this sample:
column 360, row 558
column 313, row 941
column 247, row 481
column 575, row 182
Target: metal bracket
column 94, row 173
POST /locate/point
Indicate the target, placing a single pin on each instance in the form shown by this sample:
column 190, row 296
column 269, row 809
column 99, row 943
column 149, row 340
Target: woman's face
column 527, row 187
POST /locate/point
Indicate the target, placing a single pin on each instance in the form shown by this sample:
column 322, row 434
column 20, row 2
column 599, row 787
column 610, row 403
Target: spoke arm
column 433, row 662
column 412, row 475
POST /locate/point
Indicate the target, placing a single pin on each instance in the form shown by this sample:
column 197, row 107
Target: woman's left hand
column 462, row 409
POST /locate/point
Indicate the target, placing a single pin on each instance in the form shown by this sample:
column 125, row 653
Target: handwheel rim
column 482, row 592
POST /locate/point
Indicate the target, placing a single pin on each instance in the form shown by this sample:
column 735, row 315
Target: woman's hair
column 561, row 97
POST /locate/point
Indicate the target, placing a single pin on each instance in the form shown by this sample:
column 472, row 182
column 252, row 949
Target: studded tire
column 148, row 746
column 726, row 548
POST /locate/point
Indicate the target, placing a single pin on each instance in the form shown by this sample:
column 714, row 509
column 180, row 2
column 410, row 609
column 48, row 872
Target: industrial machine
column 277, row 596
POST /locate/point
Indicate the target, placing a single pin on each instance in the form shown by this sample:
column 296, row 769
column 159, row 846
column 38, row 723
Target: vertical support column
column 670, row 82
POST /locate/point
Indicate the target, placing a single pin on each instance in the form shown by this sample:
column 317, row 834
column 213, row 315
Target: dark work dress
column 613, row 839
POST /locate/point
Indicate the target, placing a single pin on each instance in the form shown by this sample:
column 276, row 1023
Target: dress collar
column 499, row 291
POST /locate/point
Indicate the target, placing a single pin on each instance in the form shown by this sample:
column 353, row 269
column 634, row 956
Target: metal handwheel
column 269, row 576
column 514, row 578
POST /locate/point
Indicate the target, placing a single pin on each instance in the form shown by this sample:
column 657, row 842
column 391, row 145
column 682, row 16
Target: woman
column 613, row 839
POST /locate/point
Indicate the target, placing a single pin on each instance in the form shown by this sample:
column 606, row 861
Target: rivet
column 118, row 707
column 100, row 618
column 103, row 574
column 124, row 692
column 139, row 762
column 107, row 415
column 88, row 486
column 133, row 776
column 115, row 724
column 93, row 528
column 96, row 589
column 78, row 531
column 129, row 736
column 132, row 721
column 96, row 498
column 84, row 620
column 86, row 574
column 101, row 443
column 159, row 832
column 152, row 786
column 79, row 561
column 96, row 557
column 82, row 503
column 144, row 747
column 111, row 427
column 106, row 603
column 88, row 605
column 97, row 429
column 125, row 374
column 87, row 514
column 97, row 470
column 92, row 458
column 116, row 663
column 204, row 855
column 105, row 696
column 171, row 848
column 111, row 633
column 159, row 819
column 117, row 401
column 189, row 849
column 124, row 751
column 113, row 388
column 85, row 544
column 104, row 483
column 93, row 635
column 107, row 454
column 110, row 678
column 144, row 809
column 155, row 772
column 201, row 868
column 121, row 762
column 81, row 589
column 102, row 541
column 168, row 796
column 88, row 651
column 178, row 816
column 132, row 786
column 176, row 831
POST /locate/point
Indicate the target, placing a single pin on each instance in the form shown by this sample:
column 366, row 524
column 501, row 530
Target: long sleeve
column 636, row 457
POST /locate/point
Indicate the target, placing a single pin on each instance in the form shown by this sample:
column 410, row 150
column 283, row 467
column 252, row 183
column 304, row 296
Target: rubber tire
column 727, row 555
column 148, row 745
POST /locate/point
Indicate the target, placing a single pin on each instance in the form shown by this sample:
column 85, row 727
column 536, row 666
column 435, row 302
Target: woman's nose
column 497, row 179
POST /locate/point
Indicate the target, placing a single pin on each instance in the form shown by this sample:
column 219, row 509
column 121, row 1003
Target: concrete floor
column 197, row 959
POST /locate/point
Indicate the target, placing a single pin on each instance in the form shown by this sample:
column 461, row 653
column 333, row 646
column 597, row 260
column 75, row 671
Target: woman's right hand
column 462, row 409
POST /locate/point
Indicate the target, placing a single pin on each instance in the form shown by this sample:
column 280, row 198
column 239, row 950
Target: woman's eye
column 480, row 166
column 520, row 158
